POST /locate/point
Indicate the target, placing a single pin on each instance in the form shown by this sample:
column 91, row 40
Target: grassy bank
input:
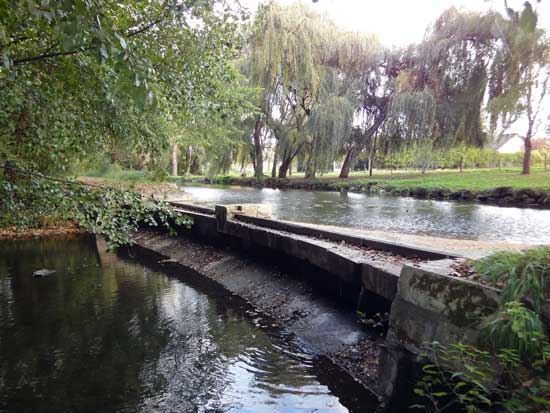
column 502, row 186
column 473, row 180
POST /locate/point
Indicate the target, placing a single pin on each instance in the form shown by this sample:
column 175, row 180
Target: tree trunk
column 258, row 152
column 371, row 158
column 527, row 154
column 286, row 167
column 174, row 159
column 283, row 169
column 274, row 167
column 189, row 160
column 311, row 166
column 311, row 169
column 275, row 160
column 348, row 160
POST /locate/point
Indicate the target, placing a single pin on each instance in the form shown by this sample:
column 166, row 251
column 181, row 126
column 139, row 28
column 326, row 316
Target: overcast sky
column 400, row 22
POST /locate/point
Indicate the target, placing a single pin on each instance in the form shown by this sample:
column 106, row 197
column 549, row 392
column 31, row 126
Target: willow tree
column 454, row 62
column 330, row 123
column 375, row 83
column 521, row 75
column 287, row 48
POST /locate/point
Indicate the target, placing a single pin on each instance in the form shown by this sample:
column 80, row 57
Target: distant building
column 542, row 143
column 515, row 144
column 512, row 145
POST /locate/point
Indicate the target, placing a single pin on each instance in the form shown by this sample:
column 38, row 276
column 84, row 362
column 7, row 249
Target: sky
column 401, row 22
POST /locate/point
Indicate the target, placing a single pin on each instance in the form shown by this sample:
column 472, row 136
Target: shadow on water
column 451, row 219
column 106, row 334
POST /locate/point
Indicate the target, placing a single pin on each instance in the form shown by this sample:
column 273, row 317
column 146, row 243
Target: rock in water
column 43, row 273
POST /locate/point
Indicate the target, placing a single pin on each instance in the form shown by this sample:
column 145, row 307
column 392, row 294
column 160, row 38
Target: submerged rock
column 43, row 273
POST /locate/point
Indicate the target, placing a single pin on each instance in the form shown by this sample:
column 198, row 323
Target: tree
column 80, row 75
column 287, row 48
column 521, row 76
column 330, row 123
column 360, row 61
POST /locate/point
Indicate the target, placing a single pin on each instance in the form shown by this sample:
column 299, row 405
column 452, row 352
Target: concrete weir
column 364, row 274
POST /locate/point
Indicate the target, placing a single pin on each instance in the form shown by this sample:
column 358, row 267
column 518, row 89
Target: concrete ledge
column 295, row 228
column 381, row 281
column 248, row 226
column 192, row 207
column 433, row 306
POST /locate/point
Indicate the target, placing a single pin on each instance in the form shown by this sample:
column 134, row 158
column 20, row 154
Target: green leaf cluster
column 31, row 200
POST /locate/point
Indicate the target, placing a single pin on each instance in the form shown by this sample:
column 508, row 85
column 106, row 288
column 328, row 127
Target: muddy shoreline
column 60, row 229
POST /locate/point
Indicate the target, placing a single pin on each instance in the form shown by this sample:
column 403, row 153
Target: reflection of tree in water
column 105, row 335
column 81, row 339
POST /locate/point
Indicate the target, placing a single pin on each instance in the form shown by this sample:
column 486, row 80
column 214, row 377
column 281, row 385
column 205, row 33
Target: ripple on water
column 451, row 219
column 119, row 337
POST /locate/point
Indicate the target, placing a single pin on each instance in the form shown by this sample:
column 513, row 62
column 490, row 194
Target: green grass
column 117, row 174
column 453, row 180
column 473, row 180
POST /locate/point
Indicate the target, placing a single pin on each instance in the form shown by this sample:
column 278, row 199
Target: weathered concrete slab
column 348, row 236
column 345, row 257
column 432, row 306
column 192, row 207
column 321, row 325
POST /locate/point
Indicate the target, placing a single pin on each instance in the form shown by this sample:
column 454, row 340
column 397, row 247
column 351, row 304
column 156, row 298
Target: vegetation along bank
column 503, row 187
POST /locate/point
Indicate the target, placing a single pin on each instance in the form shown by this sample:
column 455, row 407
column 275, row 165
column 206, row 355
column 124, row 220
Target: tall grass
column 521, row 275
column 115, row 172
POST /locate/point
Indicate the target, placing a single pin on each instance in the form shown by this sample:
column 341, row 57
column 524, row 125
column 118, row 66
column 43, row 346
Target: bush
column 521, row 275
column 511, row 373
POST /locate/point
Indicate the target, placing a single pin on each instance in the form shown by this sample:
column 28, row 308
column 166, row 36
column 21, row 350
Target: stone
column 43, row 273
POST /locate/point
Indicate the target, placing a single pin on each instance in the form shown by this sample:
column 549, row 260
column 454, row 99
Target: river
column 447, row 219
column 107, row 334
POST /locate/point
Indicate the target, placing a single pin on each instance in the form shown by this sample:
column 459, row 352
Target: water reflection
column 105, row 335
column 449, row 219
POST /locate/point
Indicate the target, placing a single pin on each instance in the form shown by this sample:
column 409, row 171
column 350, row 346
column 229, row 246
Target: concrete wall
column 250, row 228
column 431, row 306
column 452, row 309
column 427, row 304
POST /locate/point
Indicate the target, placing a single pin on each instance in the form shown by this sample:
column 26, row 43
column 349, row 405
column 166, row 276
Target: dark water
column 106, row 334
column 448, row 219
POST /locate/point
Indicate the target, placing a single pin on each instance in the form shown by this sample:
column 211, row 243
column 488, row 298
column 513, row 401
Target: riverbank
column 148, row 189
column 58, row 229
column 493, row 186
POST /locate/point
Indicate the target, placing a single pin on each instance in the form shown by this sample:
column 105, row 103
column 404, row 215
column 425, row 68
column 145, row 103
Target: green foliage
column 463, row 378
column 81, row 76
column 457, row 378
column 513, row 375
column 522, row 275
column 32, row 200
column 516, row 327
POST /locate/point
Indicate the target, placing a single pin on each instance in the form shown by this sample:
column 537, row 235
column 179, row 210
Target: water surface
column 448, row 219
column 106, row 334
